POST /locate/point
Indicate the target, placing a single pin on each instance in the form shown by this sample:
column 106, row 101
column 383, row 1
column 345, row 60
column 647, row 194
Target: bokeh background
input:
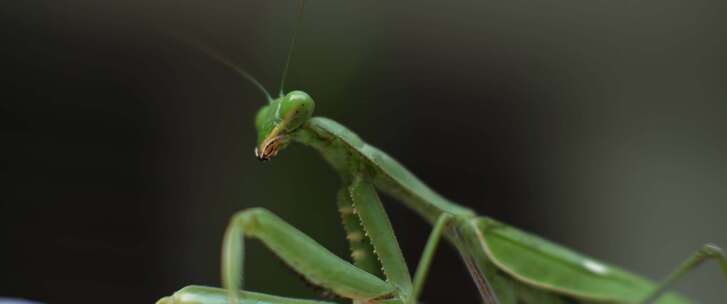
column 124, row 151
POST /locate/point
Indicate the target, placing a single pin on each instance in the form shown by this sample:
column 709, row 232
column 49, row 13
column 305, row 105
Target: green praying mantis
column 507, row 265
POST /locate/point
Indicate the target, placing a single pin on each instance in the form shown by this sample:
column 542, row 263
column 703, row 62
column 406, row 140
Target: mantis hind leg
column 210, row 295
column 300, row 252
column 708, row 251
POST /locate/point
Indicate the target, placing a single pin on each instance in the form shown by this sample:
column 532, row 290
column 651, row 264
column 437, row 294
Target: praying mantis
column 507, row 265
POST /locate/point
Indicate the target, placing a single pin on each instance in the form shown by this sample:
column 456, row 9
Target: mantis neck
column 349, row 155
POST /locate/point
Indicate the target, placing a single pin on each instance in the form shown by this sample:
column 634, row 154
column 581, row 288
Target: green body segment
column 525, row 266
column 335, row 142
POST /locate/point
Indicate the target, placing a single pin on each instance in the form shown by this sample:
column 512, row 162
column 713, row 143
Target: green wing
column 538, row 262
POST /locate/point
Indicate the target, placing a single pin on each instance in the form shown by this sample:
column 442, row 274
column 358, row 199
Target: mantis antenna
column 292, row 46
column 219, row 58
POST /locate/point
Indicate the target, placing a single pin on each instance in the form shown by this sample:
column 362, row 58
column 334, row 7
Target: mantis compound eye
column 295, row 109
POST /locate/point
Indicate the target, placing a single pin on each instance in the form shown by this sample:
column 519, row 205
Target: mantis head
column 279, row 120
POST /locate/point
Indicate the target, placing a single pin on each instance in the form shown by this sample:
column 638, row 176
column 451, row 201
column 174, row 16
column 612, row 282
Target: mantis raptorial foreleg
column 208, row 295
column 708, row 251
column 362, row 253
column 368, row 207
column 304, row 255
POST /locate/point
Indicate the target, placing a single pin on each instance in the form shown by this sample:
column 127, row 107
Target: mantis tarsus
column 506, row 264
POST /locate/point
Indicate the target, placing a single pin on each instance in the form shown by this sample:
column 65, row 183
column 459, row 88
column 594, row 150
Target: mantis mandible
column 506, row 264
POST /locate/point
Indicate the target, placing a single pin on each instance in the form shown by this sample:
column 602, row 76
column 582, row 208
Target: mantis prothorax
column 507, row 265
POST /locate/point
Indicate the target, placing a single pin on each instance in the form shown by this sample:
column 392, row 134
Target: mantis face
column 277, row 121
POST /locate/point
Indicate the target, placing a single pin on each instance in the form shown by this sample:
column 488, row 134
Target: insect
column 507, row 265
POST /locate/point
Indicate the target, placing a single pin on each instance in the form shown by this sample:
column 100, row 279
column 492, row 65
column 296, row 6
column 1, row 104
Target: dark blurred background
column 596, row 124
